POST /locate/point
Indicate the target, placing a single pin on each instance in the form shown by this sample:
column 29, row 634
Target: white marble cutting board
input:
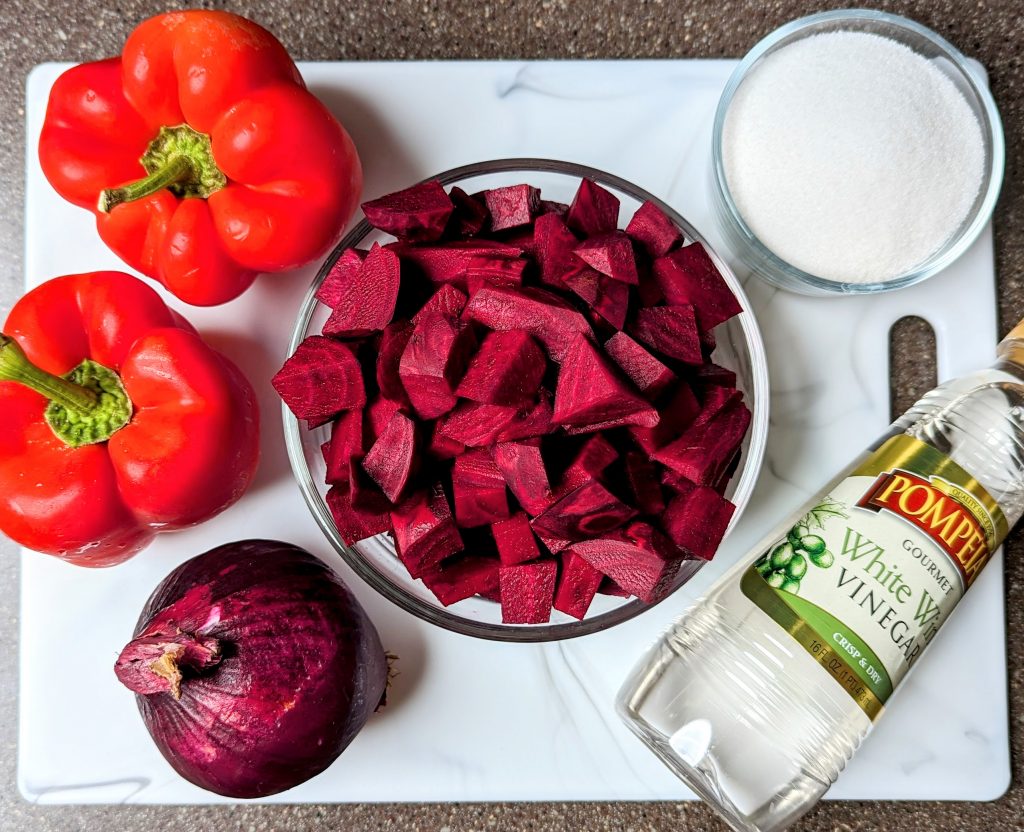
column 471, row 720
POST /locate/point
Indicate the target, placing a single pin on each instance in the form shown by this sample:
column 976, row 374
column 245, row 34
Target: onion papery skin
column 279, row 668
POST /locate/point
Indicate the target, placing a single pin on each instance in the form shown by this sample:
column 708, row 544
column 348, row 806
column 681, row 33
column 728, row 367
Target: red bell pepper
column 119, row 421
column 203, row 155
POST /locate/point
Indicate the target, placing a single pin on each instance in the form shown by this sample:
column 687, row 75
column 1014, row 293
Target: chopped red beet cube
column 352, row 524
column 507, row 273
column 716, row 399
column 697, row 520
column 507, row 369
column 320, row 379
column 588, row 511
column 554, row 545
column 512, row 206
column 365, row 302
column 479, row 490
column 688, row 276
column 475, row 424
column 424, row 531
column 544, row 315
column 376, row 417
column 705, row 449
column 593, row 211
column 532, row 421
column 653, row 230
column 527, row 591
column 555, row 247
column 639, row 559
column 590, row 461
column 470, row 215
column 433, row 362
column 675, row 482
column 610, row 254
column 671, row 330
column 346, row 442
column 417, row 213
column 363, row 491
column 680, row 412
column 577, row 586
column 515, row 540
column 447, row 301
column 443, row 447
column 332, row 289
column 651, row 377
column 451, row 262
column 590, row 390
column 586, row 283
column 392, row 459
column 393, row 342
column 608, row 297
column 523, row 468
column 463, row 578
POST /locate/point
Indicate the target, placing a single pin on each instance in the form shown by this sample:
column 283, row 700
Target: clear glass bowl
column 945, row 57
column 739, row 347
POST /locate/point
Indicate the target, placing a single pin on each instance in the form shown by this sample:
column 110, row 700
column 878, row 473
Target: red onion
column 254, row 667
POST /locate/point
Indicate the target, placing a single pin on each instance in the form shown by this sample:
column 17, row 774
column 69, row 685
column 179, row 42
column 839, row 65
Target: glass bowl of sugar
column 854, row 151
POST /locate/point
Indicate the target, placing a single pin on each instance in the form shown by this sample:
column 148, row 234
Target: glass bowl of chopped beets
column 517, row 421
column 939, row 54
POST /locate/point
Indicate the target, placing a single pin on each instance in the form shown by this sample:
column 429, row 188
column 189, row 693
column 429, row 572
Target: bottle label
column 866, row 577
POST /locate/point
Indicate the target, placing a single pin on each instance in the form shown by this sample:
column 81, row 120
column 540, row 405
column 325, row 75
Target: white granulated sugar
column 851, row 156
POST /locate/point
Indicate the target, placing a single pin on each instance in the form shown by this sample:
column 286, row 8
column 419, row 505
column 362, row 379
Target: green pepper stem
column 15, row 366
column 177, row 169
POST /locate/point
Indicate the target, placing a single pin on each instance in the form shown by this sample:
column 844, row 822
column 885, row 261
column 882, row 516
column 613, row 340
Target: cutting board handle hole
column 912, row 363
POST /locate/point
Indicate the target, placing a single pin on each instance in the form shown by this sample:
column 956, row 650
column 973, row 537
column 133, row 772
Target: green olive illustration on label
column 781, row 555
column 823, row 559
column 797, row 567
column 787, row 562
column 812, row 544
column 796, row 533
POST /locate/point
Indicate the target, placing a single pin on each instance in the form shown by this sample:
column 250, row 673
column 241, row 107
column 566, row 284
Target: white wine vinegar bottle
column 760, row 694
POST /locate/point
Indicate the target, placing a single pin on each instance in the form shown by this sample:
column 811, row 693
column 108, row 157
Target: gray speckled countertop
column 990, row 30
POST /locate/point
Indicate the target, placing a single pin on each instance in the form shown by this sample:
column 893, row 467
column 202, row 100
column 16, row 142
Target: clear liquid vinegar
column 736, row 707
